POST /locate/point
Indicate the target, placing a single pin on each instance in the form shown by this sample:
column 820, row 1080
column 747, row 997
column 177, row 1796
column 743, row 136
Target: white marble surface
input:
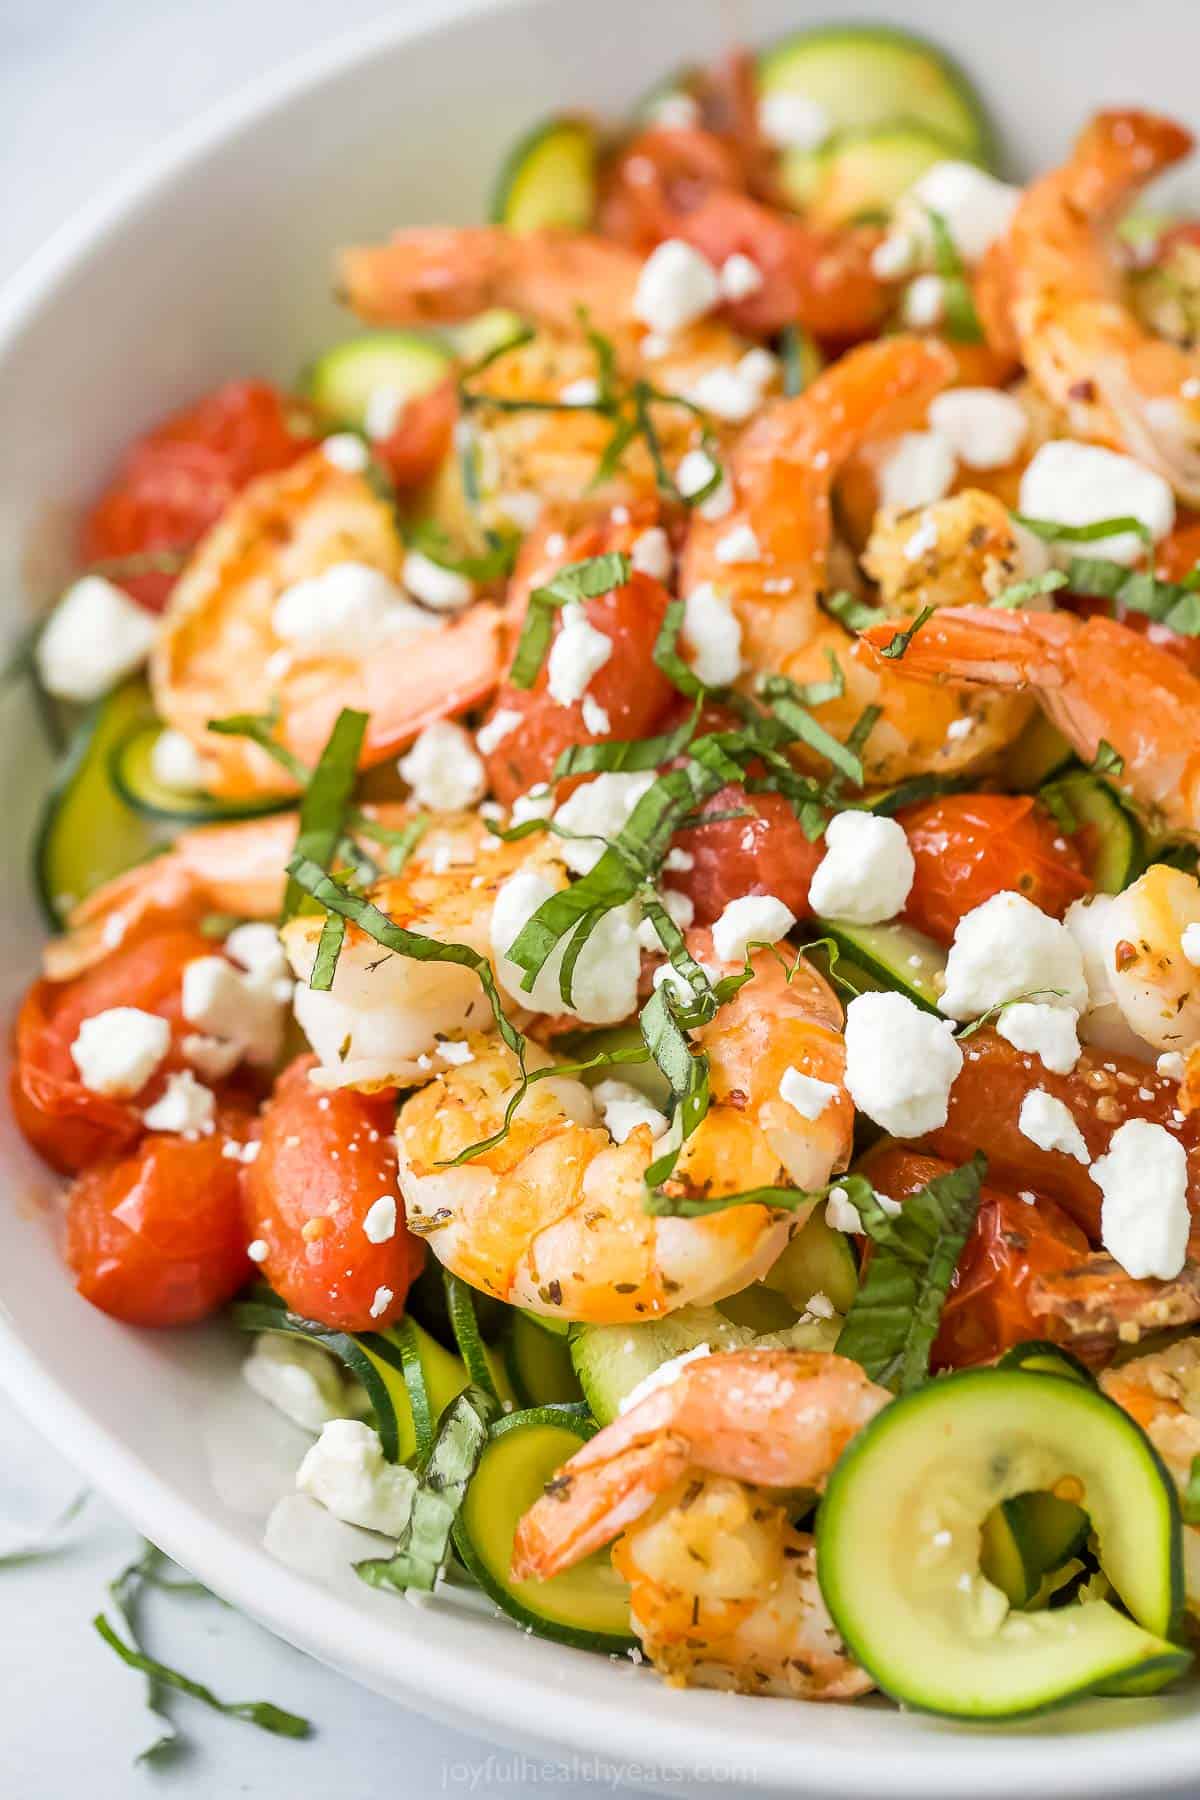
column 86, row 87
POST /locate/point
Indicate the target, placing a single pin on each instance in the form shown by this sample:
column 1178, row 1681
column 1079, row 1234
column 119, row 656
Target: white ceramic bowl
column 213, row 260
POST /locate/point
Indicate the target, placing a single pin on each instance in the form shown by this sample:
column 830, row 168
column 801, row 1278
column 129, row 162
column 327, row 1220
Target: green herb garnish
column 423, row 1550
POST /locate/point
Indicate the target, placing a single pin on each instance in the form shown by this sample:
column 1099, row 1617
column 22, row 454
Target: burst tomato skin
column 177, row 480
column 967, row 847
column 1010, row 1245
column 421, row 441
column 765, row 853
column 630, row 687
column 158, row 1237
column 68, row 1124
column 325, row 1159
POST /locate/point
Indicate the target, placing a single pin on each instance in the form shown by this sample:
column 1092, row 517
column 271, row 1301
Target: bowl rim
column 507, row 1703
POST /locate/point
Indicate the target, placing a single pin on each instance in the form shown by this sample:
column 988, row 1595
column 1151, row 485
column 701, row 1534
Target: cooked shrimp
column 1079, row 339
column 220, row 652
column 783, row 470
column 553, row 1218
column 1094, row 679
column 723, row 1589
column 1162, row 1392
column 1142, row 988
column 949, row 553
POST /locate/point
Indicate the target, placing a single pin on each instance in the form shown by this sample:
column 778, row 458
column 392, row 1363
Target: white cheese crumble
column 597, row 810
column 1171, row 1066
column 923, row 303
column 493, row 731
column 754, row 918
column 605, row 981
column 1144, row 1220
column 916, row 469
column 650, row 552
column 901, row 1063
column 255, row 946
column 976, row 208
column 1050, row 1125
column 665, row 1375
column 257, row 1249
column 866, row 871
column 538, row 803
column 712, row 633
column 443, row 770
column 841, row 1214
column 623, row 1108
column 693, row 475
column 1050, row 1033
column 791, row 121
column 379, row 1223
column 680, row 986
column 678, row 907
column 732, row 391
column 1081, row 484
column 739, row 277
column 344, row 451
column 300, row 1380
column 186, row 1105
column 578, row 652
column 175, row 761
column 676, row 111
column 95, row 637
column 380, row 1301
column 676, row 286
column 984, row 427
column 1008, row 949
column 348, row 1473
column 739, row 545
column 582, row 392
column 244, row 1008
column 595, row 718
column 809, row 1096
column 435, row 586
column 117, row 1051
column 348, row 607
column 213, row 1057
column 386, row 406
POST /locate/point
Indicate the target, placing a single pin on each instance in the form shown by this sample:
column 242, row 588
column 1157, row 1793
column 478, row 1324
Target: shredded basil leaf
column 1107, row 761
column 802, row 359
column 962, row 321
column 899, row 644
column 326, row 798
column 19, row 1546
column 630, row 755
column 1054, row 531
column 1189, row 1500
column 894, row 1316
column 260, row 728
column 493, row 564
column 850, row 611
column 574, row 583
column 1018, row 592
column 459, row 1444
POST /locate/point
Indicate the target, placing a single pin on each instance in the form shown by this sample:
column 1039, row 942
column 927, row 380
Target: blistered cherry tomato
column 158, row 1237
column 968, row 847
column 66, row 1122
column 1102, row 1091
column 630, row 688
column 422, row 437
column 1010, row 1245
column 177, row 480
column 765, row 851
column 326, row 1158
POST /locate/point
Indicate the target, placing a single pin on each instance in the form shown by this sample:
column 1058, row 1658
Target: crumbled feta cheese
column 739, row 545
column 866, row 871
column 901, row 1063
column 443, row 770
column 117, row 1051
column 732, row 391
column 379, row 1223
column 257, row 1249
column 213, row 1057
column 346, row 452
column 348, row 1473
column 693, row 475
column 678, row 908
column 1144, row 1220
column 255, row 946
column 985, row 428
column 675, row 111
column 739, row 277
column 677, row 861
column 1050, row 1125
column 894, row 257
column 1189, row 943
column 384, row 410
column 597, row 810
column 713, row 634
column 538, row 803
column 923, row 303
column 186, row 1105
column 595, row 719
column 175, row 761
column 958, row 729
column 681, row 988
column 349, row 607
column 917, row 469
column 523, row 510
column 665, row 1374
column 585, row 391
column 791, row 121
column 493, row 731
column 841, row 1214
column 923, row 539
column 651, row 553
column 1008, row 949
column 435, row 586
column 1081, row 484
column 300, row 1380
column 455, row 1052
column 578, row 652
column 246, row 1009
column 754, row 918
column 605, row 979
column 380, row 1301
column 95, row 636
column 676, row 287
column 624, row 1108
column 1171, row 1066
column 809, row 1096
column 819, row 1306
column 977, row 208
column 1048, row 1032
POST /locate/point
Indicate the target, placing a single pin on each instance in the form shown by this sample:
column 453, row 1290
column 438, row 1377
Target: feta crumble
column 1081, row 484
column 1008, row 949
column 624, row 1107
column 1050, row 1033
column 916, row 469
column 984, row 427
column 739, row 545
column 1050, row 1125
column 1144, row 1219
column 696, row 470
column 605, row 981
column 240, row 1007
column 443, row 770
column 578, row 652
column 175, row 762
column 754, row 918
column 739, row 277
column 791, row 121
column 676, row 286
column 349, row 607
column 344, row 451
column 186, row 1106
column 435, row 586
column 379, row 1223
column 650, row 552
column 923, row 303
column 300, row 1380
column 493, row 731
column 348, row 1473
column 713, row 634
column 118, row 1050
column 597, row 810
column 866, row 871
column 95, row 637
column 901, row 1063
column 805, row 1093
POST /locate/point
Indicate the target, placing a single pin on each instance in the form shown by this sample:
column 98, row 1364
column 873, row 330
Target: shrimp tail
column 1118, row 153
column 980, row 646
column 581, row 1511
